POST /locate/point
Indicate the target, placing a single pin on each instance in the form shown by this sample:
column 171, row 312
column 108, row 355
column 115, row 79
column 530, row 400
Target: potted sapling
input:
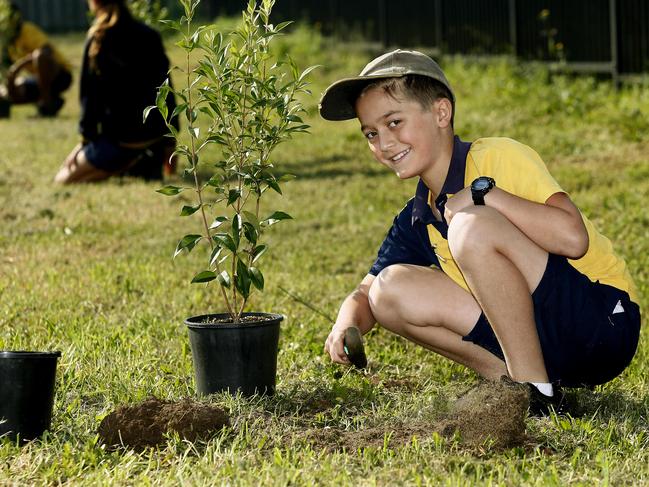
column 236, row 96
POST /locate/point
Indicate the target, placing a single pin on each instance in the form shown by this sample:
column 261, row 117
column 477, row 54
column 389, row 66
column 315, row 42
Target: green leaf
column 179, row 108
column 225, row 240
column 218, row 221
column 257, row 278
column 282, row 25
column 171, row 24
column 250, row 232
column 215, row 181
column 171, row 128
column 233, row 196
column 252, row 219
column 161, row 98
column 189, row 210
column 276, row 217
column 299, row 128
column 191, row 115
column 204, row 276
column 242, row 281
column 257, row 252
column 306, row 72
column 146, row 112
column 224, row 279
column 216, row 252
column 188, row 242
column 273, row 184
column 235, row 230
column 170, row 190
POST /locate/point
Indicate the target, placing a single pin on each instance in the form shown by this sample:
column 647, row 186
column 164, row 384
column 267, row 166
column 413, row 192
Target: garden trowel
column 353, row 346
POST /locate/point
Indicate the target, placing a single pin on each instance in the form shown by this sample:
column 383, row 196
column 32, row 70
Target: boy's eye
column 393, row 123
column 370, row 135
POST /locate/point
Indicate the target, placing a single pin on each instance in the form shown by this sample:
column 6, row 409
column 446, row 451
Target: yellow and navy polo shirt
column 416, row 237
column 29, row 39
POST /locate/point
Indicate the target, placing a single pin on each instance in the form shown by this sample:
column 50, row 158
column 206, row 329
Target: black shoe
column 5, row 108
column 353, row 346
column 50, row 109
column 542, row 405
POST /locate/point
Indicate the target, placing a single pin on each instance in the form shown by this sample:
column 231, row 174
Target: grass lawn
column 87, row 270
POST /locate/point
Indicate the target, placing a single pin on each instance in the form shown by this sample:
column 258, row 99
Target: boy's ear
column 444, row 112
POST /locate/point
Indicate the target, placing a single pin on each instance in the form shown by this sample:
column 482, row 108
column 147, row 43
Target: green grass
column 87, row 270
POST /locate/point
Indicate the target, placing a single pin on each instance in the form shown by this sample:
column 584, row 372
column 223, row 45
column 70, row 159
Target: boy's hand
column 334, row 345
column 457, row 203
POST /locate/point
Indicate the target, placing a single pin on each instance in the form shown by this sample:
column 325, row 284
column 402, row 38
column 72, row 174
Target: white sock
column 544, row 388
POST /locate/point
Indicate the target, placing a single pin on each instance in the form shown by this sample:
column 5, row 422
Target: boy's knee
column 384, row 292
column 470, row 231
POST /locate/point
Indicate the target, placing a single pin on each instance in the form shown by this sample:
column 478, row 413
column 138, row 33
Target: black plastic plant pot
column 26, row 393
column 234, row 357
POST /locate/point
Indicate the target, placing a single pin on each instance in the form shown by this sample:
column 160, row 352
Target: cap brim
column 337, row 102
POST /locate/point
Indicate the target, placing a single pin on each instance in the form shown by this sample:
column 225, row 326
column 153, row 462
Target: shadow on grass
column 607, row 405
column 317, row 168
column 329, row 167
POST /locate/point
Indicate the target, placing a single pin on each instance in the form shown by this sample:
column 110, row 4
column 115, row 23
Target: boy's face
column 403, row 135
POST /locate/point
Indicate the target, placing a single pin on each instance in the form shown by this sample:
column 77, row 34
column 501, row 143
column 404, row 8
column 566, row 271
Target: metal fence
column 56, row 15
column 610, row 36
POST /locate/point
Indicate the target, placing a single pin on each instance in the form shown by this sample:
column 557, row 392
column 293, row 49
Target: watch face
column 481, row 184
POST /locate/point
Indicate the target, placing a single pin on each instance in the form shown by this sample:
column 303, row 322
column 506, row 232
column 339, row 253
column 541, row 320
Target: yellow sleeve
column 31, row 38
column 517, row 168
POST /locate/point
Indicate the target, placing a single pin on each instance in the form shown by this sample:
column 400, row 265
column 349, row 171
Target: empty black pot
column 26, row 393
column 234, row 357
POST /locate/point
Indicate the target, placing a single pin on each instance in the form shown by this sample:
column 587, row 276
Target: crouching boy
column 490, row 264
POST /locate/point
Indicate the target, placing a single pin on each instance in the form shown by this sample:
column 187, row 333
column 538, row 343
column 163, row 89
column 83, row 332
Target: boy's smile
column 405, row 137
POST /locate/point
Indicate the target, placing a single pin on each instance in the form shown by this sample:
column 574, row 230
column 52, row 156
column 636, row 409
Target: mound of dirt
column 493, row 411
column 145, row 424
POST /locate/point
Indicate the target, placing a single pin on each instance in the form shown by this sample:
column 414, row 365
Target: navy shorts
column 588, row 331
column 61, row 83
column 109, row 156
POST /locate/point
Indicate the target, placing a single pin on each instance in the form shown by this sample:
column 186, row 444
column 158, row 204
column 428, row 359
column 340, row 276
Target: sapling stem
column 194, row 162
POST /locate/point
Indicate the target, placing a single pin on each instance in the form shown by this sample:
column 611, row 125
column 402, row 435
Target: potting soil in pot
column 145, row 424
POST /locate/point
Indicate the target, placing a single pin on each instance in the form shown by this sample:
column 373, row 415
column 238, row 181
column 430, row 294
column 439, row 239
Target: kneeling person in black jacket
column 124, row 63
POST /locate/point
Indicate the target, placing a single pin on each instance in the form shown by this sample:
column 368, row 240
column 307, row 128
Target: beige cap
column 337, row 102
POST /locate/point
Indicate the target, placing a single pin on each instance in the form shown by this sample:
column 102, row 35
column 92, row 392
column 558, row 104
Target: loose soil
column 491, row 413
column 148, row 423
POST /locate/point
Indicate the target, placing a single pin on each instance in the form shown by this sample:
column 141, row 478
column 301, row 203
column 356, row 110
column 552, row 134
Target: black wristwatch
column 480, row 187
